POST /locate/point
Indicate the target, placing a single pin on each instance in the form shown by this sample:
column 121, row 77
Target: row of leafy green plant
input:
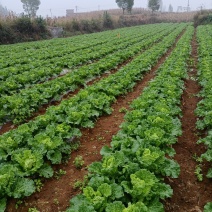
column 130, row 175
column 42, row 50
column 53, row 67
column 29, row 150
column 204, row 109
column 40, row 54
column 20, row 106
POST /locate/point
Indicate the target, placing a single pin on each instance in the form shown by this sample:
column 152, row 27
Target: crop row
column 130, row 174
column 58, row 60
column 25, row 150
column 54, row 66
column 25, row 53
column 20, row 106
column 204, row 109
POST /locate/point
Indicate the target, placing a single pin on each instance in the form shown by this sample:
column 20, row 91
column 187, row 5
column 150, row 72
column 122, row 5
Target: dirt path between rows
column 56, row 193
column 190, row 195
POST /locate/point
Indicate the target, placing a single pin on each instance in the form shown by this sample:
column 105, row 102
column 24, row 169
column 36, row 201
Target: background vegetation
column 15, row 29
column 19, row 29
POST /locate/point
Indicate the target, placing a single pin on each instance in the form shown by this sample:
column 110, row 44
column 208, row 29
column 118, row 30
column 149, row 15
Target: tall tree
column 154, row 5
column 130, row 4
column 31, row 7
column 125, row 5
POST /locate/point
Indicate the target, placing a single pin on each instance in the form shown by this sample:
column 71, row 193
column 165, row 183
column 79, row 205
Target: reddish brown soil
column 56, row 193
column 190, row 195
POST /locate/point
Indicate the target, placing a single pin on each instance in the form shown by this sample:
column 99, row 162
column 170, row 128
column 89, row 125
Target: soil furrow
column 56, row 193
column 190, row 195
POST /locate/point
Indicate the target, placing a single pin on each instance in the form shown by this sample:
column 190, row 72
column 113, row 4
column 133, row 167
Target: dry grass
column 137, row 14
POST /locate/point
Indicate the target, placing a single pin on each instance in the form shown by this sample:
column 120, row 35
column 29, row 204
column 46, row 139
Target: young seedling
column 59, row 173
column 198, row 172
column 38, row 185
column 78, row 162
column 78, row 184
column 33, row 210
column 123, row 110
column 19, row 202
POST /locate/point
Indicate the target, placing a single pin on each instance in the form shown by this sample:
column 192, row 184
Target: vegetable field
column 117, row 121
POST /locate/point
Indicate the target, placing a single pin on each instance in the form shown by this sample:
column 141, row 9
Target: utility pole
column 98, row 7
column 76, row 8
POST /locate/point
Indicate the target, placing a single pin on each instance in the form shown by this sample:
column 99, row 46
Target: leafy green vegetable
column 208, row 207
column 116, row 206
column 3, row 203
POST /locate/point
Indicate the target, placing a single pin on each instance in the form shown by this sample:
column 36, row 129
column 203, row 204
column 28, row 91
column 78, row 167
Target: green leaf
column 80, row 204
column 171, row 168
column 105, row 190
column 23, row 188
column 29, row 161
column 95, row 167
column 116, row 206
column 149, row 157
column 46, row 141
column 117, row 191
column 138, row 207
column 96, row 181
column 209, row 174
column 89, row 193
column 143, row 181
column 3, row 155
column 155, row 206
column 170, row 151
column 208, row 207
column 3, row 203
column 110, row 165
column 46, row 171
column 105, row 151
column 54, row 156
column 207, row 155
column 164, row 191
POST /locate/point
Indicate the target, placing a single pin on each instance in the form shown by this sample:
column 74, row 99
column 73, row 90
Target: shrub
column 107, row 20
column 203, row 17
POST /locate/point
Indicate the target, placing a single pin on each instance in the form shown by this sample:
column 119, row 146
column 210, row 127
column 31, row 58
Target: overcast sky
column 58, row 8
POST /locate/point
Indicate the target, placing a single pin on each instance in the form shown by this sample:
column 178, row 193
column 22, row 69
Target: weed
column 123, row 110
column 19, row 202
column 198, row 172
column 75, row 145
column 81, row 184
column 78, row 184
column 59, row 173
column 33, row 210
column 78, row 162
column 56, row 201
column 197, row 159
column 38, row 185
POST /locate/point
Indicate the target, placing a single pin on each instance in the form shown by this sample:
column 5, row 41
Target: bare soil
column 56, row 193
column 190, row 195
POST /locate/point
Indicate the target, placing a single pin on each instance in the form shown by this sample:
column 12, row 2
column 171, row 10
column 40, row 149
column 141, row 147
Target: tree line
column 31, row 6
